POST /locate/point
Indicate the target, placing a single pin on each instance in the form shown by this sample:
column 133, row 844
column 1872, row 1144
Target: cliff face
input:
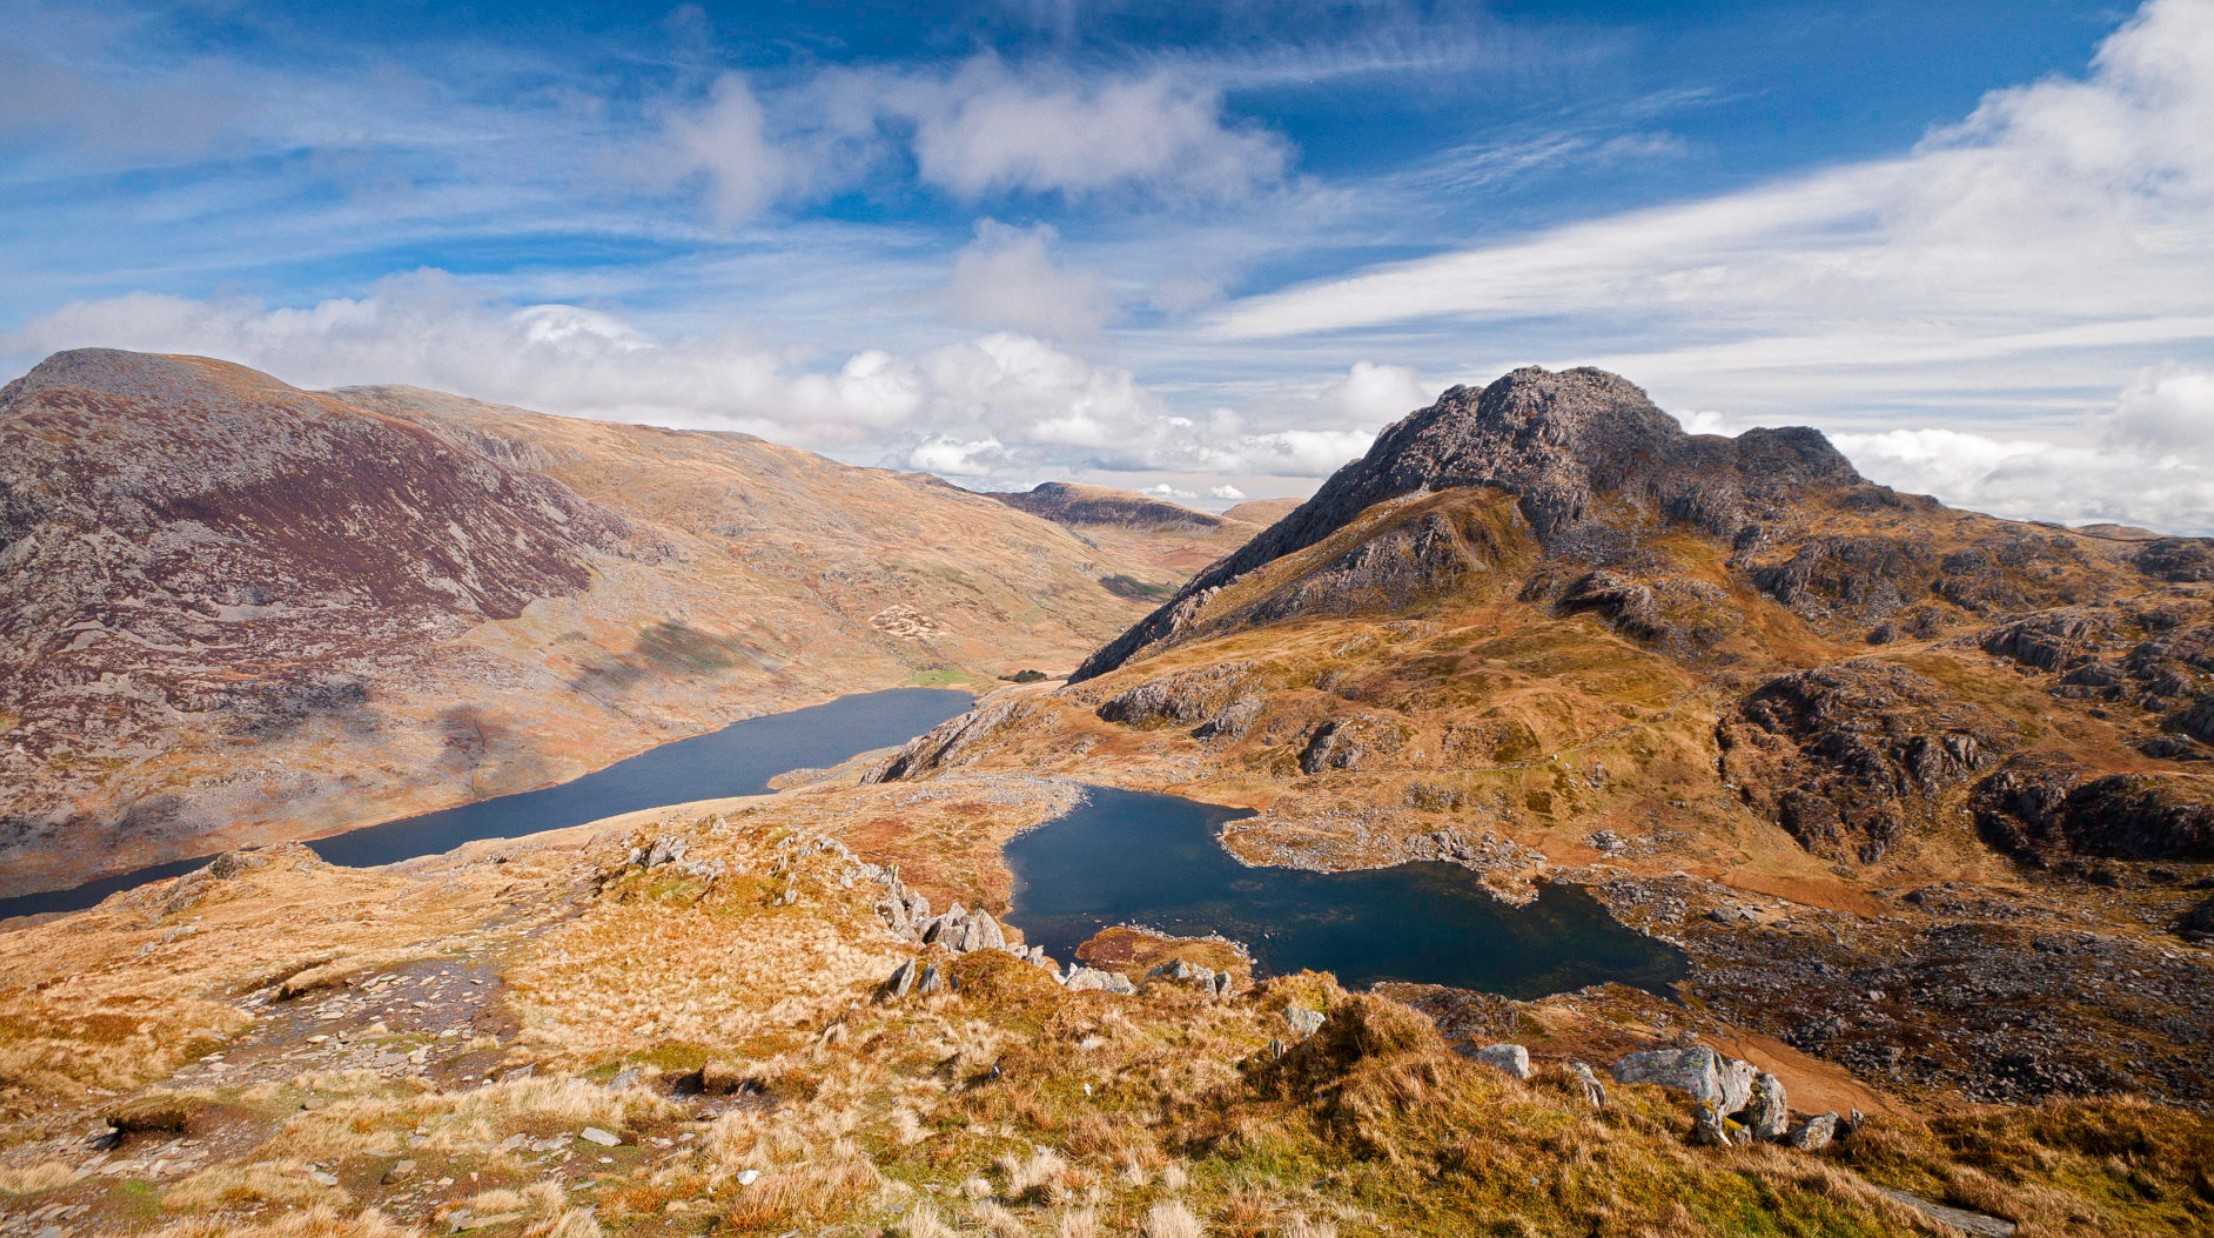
column 232, row 610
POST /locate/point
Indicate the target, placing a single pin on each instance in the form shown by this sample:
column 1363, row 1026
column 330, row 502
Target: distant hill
column 1164, row 542
column 235, row 611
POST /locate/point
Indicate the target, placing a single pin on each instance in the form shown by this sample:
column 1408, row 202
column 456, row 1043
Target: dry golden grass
column 1006, row 1105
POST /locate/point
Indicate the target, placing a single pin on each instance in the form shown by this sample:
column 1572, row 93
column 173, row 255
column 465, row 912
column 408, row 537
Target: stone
column 1512, row 1059
column 1767, row 1116
column 984, row 932
column 899, row 982
column 932, row 980
column 593, row 1134
column 401, row 1171
column 627, row 1078
column 1304, row 1022
column 667, row 849
column 1210, row 981
column 749, row 1177
column 1974, row 1224
column 1085, row 978
column 1696, row 1071
column 1814, row 1134
column 1709, row 1129
column 1594, row 1091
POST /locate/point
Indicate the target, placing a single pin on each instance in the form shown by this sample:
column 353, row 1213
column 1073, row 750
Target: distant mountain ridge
column 235, row 611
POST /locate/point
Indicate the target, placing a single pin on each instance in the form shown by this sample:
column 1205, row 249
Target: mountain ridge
column 1556, row 442
column 238, row 611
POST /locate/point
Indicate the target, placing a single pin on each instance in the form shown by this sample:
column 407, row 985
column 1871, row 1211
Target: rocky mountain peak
column 1556, row 441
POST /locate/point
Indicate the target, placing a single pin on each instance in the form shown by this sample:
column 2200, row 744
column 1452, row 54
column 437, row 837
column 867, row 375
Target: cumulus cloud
column 435, row 331
column 1374, row 395
column 2153, row 465
column 974, row 130
column 1226, row 494
column 1008, row 278
column 724, row 144
column 990, row 128
column 950, row 457
column 998, row 405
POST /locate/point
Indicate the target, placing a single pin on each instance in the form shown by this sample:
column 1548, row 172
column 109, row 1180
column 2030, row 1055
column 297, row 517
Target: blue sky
column 1210, row 250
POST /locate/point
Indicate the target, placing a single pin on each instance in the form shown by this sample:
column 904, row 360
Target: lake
column 1126, row 857
column 737, row 760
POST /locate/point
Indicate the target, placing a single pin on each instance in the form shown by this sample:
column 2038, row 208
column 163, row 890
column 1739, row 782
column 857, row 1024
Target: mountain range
column 1922, row 798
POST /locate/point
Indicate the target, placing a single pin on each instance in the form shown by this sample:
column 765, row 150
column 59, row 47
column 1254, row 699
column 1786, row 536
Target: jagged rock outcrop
column 1554, row 441
column 1847, row 757
column 1185, row 700
column 2044, row 807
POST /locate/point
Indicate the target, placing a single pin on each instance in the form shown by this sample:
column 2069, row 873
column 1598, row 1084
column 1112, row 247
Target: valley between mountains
column 1925, row 799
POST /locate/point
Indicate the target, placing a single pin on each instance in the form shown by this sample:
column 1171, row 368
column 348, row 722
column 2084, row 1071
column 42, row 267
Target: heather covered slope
column 234, row 611
column 1924, row 792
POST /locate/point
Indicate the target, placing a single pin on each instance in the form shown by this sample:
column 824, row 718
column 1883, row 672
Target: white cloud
column 435, row 331
column 724, row 142
column 951, row 457
column 989, row 128
column 2067, row 206
column 1375, row 395
column 1008, row 278
column 999, row 404
column 1226, row 494
column 2154, row 465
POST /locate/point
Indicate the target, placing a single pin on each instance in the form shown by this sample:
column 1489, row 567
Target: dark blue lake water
column 1126, row 857
column 737, row 760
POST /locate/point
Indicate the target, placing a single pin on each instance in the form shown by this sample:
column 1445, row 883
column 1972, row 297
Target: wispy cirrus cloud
column 2054, row 207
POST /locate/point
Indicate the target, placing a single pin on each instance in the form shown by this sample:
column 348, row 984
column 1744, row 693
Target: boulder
column 1709, row 1129
column 1304, row 1022
column 1696, row 1071
column 900, row 981
column 1512, row 1059
column 932, row 980
column 1594, row 1091
column 1767, row 1117
column 1082, row 978
column 667, row 849
column 1210, row 981
column 984, row 932
column 1814, row 1134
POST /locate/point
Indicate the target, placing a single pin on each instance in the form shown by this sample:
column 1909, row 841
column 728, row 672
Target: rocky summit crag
column 1565, row 446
